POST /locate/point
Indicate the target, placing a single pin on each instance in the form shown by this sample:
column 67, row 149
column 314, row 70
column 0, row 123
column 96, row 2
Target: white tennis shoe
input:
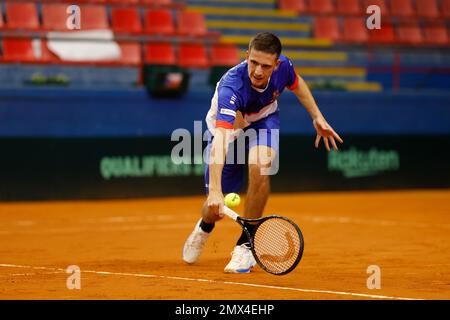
column 242, row 260
column 193, row 247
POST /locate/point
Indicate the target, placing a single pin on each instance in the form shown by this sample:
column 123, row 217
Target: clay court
column 131, row 249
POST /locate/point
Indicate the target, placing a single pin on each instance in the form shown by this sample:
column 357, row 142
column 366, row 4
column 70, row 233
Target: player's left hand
column 325, row 131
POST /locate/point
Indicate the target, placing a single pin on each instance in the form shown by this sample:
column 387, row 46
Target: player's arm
column 228, row 105
column 324, row 130
column 216, row 163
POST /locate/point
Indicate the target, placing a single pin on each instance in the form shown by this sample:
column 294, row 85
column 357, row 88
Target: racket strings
column 277, row 245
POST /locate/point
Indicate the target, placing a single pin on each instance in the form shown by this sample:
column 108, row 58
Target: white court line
column 379, row 222
column 115, row 223
column 96, row 229
column 140, row 275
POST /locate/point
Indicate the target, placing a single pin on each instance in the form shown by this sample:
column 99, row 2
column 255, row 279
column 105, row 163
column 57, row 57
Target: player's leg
column 193, row 247
column 263, row 148
column 260, row 161
column 232, row 180
column 260, row 157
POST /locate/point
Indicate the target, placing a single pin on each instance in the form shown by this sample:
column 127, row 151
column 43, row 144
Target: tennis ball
column 232, row 200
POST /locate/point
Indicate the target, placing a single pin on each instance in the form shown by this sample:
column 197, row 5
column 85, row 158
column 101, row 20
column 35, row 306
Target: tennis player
column 246, row 98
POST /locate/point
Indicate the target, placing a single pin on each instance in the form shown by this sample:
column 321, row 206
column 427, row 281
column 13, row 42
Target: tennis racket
column 276, row 242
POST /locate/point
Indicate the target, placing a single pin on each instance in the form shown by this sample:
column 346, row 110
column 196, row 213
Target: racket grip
column 230, row 213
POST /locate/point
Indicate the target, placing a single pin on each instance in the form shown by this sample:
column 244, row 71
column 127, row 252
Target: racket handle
column 230, row 213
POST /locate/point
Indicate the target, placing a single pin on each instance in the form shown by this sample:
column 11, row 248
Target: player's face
column 260, row 67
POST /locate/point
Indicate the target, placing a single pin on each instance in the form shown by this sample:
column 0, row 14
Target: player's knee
column 262, row 157
column 257, row 174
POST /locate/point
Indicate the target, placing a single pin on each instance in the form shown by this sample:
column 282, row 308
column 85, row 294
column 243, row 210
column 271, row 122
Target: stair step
column 287, row 42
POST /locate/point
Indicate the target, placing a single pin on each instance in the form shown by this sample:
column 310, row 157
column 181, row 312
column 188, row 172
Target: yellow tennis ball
column 232, row 200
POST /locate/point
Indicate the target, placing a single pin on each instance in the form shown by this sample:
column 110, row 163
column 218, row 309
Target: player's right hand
column 216, row 203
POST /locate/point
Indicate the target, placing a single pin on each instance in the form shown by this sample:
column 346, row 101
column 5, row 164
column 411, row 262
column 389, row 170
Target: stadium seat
column 321, row 6
column 157, row 3
column 327, row 28
column 126, row 20
column 402, row 8
column 436, row 34
column 27, row 50
column 293, row 5
column 354, row 30
column 445, row 9
column 126, row 2
column 380, row 3
column 159, row 21
column 22, row 15
column 160, row 53
column 46, row 54
column 409, row 33
column 427, row 9
column 54, row 16
column 224, row 55
column 94, row 17
column 191, row 23
column 348, row 7
column 192, row 55
column 18, row 49
column 130, row 53
column 385, row 35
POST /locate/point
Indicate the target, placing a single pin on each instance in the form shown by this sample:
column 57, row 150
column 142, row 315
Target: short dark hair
column 266, row 42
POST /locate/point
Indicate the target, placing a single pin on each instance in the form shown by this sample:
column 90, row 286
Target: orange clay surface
column 131, row 249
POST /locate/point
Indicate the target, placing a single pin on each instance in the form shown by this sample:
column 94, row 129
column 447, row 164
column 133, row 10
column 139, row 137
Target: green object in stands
column 38, row 79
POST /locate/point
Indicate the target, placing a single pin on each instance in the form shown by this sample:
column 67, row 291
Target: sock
column 243, row 239
column 207, row 227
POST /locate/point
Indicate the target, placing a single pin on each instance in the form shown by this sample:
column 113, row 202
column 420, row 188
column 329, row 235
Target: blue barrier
column 131, row 113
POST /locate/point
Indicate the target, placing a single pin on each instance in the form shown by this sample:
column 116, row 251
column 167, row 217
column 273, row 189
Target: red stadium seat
column 191, row 23
column 321, row 6
column 427, row 9
column 402, row 8
column 130, row 53
column 18, row 49
column 348, row 7
column 94, row 17
column 224, row 55
column 126, row 20
column 380, row 3
column 160, row 53
column 54, row 16
column 327, row 28
column 159, row 21
column 293, row 5
column 47, row 55
column 410, row 33
column 126, row 2
column 22, row 49
column 354, row 30
column 22, row 15
column 192, row 55
column 445, row 8
column 436, row 34
column 385, row 35
column 157, row 3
